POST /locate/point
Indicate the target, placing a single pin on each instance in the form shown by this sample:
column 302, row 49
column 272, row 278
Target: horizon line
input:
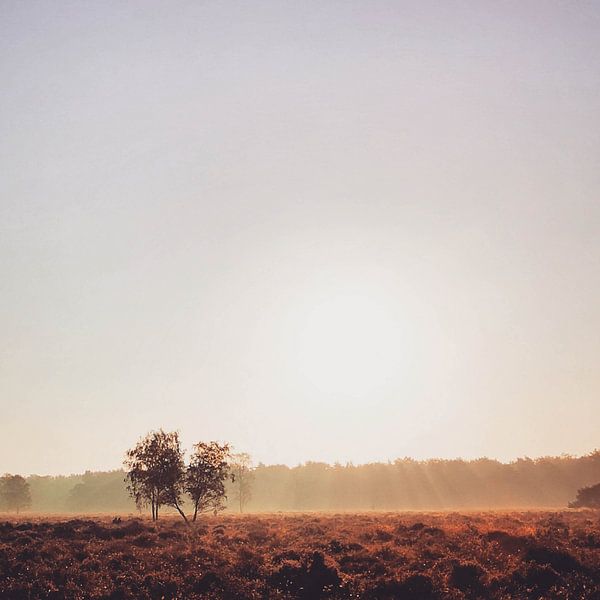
column 564, row 455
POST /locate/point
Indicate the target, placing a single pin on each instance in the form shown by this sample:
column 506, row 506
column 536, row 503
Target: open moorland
column 371, row 555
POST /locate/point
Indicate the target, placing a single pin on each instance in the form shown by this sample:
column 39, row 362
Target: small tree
column 242, row 476
column 14, row 492
column 205, row 477
column 587, row 497
column 155, row 472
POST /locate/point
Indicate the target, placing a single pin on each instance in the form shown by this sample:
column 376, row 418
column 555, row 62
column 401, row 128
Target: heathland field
column 504, row 555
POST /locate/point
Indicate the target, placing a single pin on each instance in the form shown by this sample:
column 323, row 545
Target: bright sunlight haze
column 340, row 231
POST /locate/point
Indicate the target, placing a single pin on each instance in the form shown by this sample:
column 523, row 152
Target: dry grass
column 374, row 555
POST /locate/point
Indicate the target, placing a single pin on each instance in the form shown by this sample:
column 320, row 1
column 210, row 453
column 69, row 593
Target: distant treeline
column 402, row 484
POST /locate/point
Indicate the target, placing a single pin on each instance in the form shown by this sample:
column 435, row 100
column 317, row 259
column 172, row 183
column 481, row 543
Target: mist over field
column 402, row 485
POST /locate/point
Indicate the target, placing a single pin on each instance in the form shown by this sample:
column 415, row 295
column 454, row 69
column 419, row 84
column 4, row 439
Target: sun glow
column 348, row 344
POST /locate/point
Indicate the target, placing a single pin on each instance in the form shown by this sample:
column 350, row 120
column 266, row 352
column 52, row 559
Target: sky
column 333, row 231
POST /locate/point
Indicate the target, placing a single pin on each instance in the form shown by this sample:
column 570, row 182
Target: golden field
column 497, row 555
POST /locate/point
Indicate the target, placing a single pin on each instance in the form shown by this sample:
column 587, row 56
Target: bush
column 587, row 497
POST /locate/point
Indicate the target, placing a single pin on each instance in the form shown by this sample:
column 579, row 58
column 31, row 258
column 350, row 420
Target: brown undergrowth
column 413, row 556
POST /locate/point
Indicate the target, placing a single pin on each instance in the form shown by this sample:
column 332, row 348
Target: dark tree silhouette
column 243, row 477
column 587, row 497
column 14, row 493
column 155, row 472
column 157, row 475
column 205, row 477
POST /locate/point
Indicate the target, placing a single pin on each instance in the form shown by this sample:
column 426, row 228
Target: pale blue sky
column 319, row 230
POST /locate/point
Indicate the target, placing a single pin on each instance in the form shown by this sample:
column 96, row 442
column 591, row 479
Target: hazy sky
column 320, row 230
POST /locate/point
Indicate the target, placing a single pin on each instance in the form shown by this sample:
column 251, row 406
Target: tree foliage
column 587, row 497
column 205, row 477
column 14, row 493
column 243, row 476
column 155, row 471
column 98, row 492
column 158, row 476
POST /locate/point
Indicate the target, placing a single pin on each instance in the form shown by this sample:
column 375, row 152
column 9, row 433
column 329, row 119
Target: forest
column 404, row 484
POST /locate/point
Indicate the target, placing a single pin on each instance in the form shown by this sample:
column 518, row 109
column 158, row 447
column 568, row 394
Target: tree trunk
column 181, row 513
